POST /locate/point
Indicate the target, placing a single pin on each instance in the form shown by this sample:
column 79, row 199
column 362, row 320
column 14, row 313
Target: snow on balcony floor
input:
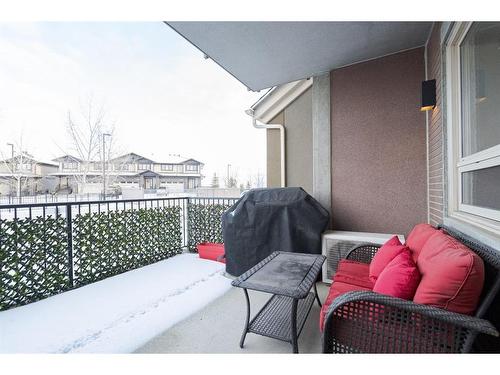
column 115, row 315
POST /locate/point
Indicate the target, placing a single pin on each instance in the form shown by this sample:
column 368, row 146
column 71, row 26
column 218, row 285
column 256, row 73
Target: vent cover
column 334, row 251
column 337, row 244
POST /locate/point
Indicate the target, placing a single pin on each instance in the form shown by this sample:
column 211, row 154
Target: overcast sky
column 160, row 93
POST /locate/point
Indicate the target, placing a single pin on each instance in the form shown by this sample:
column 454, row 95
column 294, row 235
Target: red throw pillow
column 400, row 278
column 418, row 237
column 452, row 275
column 384, row 255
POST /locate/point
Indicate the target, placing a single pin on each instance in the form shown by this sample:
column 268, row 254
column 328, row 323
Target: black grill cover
column 267, row 220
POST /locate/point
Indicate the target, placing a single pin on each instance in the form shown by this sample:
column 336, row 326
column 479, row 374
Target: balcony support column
column 321, row 130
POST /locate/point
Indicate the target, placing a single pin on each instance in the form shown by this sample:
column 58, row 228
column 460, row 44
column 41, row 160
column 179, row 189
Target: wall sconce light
column 428, row 95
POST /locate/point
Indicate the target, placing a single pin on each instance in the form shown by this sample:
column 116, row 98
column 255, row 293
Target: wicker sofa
column 368, row 322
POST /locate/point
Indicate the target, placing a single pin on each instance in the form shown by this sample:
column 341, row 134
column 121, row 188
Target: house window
column 474, row 124
column 69, row 165
column 167, row 167
column 121, row 167
column 23, row 167
column 192, row 168
column 143, row 167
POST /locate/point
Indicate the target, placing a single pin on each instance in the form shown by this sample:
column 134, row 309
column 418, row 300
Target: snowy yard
column 115, row 315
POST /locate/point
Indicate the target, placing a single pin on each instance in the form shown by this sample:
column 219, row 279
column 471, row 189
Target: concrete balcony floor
column 217, row 328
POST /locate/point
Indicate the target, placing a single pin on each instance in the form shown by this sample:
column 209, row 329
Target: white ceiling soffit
column 267, row 54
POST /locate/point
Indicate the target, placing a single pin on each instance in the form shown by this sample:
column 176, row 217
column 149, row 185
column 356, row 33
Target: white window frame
column 483, row 218
column 71, row 165
column 122, row 167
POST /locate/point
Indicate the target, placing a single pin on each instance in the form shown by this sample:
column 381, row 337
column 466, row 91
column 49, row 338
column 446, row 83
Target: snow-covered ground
column 116, row 315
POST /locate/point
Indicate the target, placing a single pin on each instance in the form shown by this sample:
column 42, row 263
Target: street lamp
column 104, row 135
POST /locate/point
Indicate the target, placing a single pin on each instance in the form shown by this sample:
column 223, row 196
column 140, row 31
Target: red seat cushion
column 336, row 290
column 400, row 278
column 352, row 272
column 418, row 237
column 384, row 255
column 452, row 275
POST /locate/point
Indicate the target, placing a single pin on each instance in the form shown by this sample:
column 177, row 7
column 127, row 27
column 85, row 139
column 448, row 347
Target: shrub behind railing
column 48, row 248
column 107, row 244
column 33, row 259
column 205, row 220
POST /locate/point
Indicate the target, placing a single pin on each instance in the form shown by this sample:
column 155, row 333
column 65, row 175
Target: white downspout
column 281, row 128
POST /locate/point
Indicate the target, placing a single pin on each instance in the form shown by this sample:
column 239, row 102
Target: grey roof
column 32, row 159
column 133, row 157
column 169, row 159
column 66, row 157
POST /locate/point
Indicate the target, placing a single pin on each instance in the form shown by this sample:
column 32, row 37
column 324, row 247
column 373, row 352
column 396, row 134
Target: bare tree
column 215, row 181
column 117, row 166
column 258, row 180
column 20, row 165
column 231, row 181
column 85, row 130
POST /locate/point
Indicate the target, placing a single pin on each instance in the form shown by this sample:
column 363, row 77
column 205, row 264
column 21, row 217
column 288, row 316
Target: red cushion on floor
column 452, row 275
column 352, row 272
column 418, row 237
column 400, row 278
column 384, row 255
column 337, row 289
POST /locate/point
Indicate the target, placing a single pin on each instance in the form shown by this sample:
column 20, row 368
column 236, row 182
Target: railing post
column 69, row 221
column 186, row 223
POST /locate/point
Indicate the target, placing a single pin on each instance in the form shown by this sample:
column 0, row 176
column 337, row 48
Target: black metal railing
column 48, row 248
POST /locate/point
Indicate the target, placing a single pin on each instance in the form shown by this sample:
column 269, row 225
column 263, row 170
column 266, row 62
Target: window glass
column 69, row 165
column 121, row 167
column 481, row 188
column 480, row 87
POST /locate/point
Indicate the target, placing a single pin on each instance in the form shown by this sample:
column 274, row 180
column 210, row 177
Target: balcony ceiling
column 267, row 54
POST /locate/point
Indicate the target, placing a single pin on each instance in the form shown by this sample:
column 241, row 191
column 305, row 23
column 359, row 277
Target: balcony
column 97, row 247
column 206, row 332
column 356, row 136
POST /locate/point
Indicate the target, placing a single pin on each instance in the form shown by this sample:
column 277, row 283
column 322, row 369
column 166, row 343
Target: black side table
column 289, row 277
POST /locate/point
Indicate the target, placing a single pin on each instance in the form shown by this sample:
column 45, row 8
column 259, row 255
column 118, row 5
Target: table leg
column 317, row 296
column 294, row 325
column 242, row 341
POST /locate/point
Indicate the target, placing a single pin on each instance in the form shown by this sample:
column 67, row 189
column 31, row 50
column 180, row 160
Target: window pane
column 482, row 188
column 480, row 86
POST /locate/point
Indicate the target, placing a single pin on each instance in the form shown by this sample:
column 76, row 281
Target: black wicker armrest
column 365, row 321
column 363, row 253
